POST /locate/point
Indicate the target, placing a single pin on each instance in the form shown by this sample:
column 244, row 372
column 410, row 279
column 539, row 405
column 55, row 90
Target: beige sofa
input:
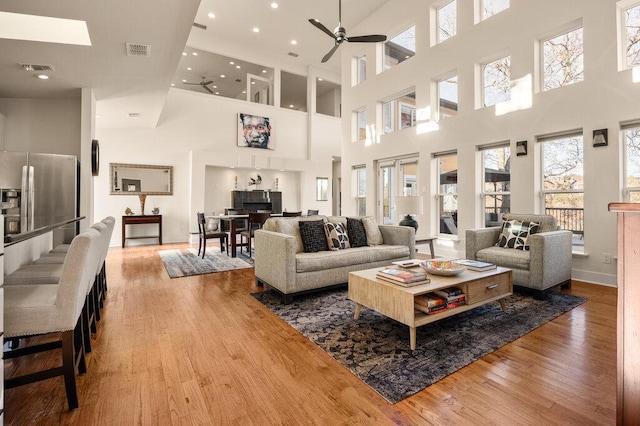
column 282, row 264
column 546, row 264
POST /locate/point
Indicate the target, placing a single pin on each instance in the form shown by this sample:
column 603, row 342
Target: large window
column 399, row 113
column 448, row 97
column 488, row 8
column 361, row 119
column 447, row 205
column 496, row 183
column 563, row 61
column 359, row 178
column 631, row 136
column 361, row 72
column 632, row 36
column 496, row 81
column 563, row 181
column 400, row 48
column 447, row 18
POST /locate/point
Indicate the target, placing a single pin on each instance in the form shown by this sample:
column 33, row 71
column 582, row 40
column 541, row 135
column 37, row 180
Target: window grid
column 563, row 59
column 362, row 69
column 496, row 184
column 360, row 177
column 447, row 196
column 447, row 21
column 496, row 81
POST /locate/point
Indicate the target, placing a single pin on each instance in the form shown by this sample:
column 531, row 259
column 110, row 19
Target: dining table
column 231, row 225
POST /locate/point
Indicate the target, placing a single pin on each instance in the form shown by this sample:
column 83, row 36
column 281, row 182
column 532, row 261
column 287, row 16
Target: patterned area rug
column 186, row 262
column 376, row 349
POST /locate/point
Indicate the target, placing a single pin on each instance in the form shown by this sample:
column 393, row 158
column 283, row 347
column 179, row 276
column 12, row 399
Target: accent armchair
column 546, row 264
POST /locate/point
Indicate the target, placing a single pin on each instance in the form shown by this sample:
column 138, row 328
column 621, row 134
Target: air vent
column 295, row 55
column 135, row 115
column 33, row 67
column 238, row 80
column 202, row 27
column 137, row 49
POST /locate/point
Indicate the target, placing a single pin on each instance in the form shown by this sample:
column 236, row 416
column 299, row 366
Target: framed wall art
column 255, row 132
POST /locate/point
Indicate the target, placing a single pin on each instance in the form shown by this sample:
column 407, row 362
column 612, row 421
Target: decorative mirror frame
column 113, row 178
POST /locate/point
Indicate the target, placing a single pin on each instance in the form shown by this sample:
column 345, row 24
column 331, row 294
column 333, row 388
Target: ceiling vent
column 33, row 67
column 295, row 55
column 202, row 27
column 137, row 49
column 135, row 115
column 238, row 80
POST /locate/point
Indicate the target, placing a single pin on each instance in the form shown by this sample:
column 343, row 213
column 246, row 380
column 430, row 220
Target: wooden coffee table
column 397, row 302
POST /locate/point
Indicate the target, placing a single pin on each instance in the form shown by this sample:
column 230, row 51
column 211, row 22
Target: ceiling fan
column 340, row 34
column 204, row 84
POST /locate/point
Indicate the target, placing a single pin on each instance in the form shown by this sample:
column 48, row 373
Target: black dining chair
column 256, row 221
column 241, row 224
column 204, row 234
column 291, row 214
column 312, row 212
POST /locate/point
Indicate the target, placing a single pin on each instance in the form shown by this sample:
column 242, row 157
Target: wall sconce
column 600, row 137
column 521, row 148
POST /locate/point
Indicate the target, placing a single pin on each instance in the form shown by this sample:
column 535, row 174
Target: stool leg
column 68, row 367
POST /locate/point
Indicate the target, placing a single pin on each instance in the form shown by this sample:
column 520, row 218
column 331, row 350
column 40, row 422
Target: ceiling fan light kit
column 340, row 34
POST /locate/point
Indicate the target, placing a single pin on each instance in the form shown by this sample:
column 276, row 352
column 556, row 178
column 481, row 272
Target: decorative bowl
column 442, row 267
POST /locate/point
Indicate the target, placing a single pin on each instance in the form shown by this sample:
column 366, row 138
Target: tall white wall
column 604, row 99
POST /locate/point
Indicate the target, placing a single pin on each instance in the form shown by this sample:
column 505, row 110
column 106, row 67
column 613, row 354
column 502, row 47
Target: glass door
column 397, row 178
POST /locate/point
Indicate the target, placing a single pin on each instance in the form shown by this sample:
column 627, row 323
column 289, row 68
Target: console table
column 141, row 220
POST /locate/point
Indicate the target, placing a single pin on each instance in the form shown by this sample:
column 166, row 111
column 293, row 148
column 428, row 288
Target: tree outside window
column 496, row 79
column 447, row 17
column 488, row 8
column 632, row 164
column 563, row 60
column 496, row 184
column 447, row 166
column 632, row 36
column 400, row 48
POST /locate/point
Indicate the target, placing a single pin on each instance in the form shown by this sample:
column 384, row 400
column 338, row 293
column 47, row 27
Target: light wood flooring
column 201, row 350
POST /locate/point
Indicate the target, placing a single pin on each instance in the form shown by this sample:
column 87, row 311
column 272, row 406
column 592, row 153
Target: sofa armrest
column 275, row 259
column 478, row 239
column 551, row 258
column 395, row 235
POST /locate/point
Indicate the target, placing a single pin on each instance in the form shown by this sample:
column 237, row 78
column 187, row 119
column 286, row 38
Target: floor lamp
column 408, row 206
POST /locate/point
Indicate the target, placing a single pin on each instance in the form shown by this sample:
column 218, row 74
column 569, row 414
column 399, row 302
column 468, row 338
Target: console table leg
column 412, row 338
column 503, row 305
column 357, row 312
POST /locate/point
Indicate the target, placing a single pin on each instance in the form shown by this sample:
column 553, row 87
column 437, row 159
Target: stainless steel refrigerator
column 39, row 190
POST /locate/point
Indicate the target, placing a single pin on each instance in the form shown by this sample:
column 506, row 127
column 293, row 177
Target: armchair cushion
column 514, row 234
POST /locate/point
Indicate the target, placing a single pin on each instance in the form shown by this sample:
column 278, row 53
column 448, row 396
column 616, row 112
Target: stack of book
column 403, row 277
column 440, row 300
column 476, row 265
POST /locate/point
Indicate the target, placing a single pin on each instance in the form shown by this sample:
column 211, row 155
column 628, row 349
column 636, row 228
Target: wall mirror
column 322, row 189
column 136, row 179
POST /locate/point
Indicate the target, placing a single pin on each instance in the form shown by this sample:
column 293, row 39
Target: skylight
column 17, row 26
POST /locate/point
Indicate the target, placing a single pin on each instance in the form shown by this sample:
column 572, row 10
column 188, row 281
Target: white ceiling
column 123, row 84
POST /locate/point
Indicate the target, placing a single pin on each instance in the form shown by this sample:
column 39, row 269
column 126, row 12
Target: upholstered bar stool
column 32, row 310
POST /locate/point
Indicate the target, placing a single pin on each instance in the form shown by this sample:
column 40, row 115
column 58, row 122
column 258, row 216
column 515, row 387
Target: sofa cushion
column 374, row 236
column 505, row 257
column 514, row 234
column 337, row 238
column 355, row 231
column 313, row 236
column 326, row 260
column 289, row 226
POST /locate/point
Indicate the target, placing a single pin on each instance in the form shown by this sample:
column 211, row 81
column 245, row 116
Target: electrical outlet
column 606, row 258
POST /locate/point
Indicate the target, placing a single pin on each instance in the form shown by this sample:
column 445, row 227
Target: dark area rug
column 186, row 262
column 376, row 348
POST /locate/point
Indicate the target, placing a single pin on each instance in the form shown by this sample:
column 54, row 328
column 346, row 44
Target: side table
column 141, row 220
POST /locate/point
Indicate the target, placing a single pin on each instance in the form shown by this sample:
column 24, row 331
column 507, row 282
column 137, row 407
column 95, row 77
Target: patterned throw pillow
column 515, row 234
column 355, row 231
column 313, row 236
column 336, row 236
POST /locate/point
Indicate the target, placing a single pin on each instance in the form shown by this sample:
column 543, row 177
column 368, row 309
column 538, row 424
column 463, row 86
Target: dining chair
column 291, row 214
column 256, row 221
column 205, row 234
column 241, row 224
column 312, row 212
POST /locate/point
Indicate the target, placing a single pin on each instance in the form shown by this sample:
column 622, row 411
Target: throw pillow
column 515, row 234
column 336, row 235
column 374, row 236
column 356, row 233
column 313, row 236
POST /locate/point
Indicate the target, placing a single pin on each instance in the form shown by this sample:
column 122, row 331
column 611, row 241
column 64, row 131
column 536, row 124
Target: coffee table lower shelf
column 398, row 302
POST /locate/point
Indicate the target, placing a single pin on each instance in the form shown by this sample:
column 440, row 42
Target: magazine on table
column 476, row 265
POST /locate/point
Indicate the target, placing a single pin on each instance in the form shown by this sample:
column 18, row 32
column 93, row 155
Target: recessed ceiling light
column 211, row 15
column 264, row 71
column 42, row 76
column 222, row 76
column 274, row 5
column 194, row 53
column 184, row 53
column 217, row 93
column 290, row 106
column 244, row 91
column 173, row 85
column 407, row 57
column 253, row 82
column 294, row 42
column 188, row 68
column 238, row 66
column 231, row 63
column 215, row 87
column 184, row 81
column 320, row 78
column 256, row 30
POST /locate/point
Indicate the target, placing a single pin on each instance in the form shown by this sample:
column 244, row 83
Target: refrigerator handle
column 24, row 196
column 32, row 193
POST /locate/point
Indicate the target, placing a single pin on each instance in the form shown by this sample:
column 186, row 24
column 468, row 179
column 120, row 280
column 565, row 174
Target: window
column 488, row 8
column 632, row 36
column 361, row 65
column 496, row 81
column 446, row 16
column 448, row 97
column 631, row 136
column 563, row 182
column 291, row 94
column 447, row 206
column 359, row 178
column 563, row 61
column 399, row 113
column 400, row 48
column 496, row 183
column 397, row 177
column 361, row 117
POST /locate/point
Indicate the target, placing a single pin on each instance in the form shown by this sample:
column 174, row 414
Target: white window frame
column 440, row 194
column 482, row 80
column 360, row 191
column 622, row 7
column 481, row 10
column 628, row 191
column 439, row 39
column 357, row 117
column 484, row 193
column 361, row 69
column 438, row 90
column 389, row 41
column 542, row 55
column 392, row 113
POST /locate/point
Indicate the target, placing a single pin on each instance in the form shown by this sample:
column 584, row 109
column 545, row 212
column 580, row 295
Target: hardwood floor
column 202, row 350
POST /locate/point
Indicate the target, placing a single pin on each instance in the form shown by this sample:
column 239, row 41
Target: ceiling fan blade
column 208, row 90
column 193, row 83
column 374, row 38
column 205, row 83
column 330, row 53
column 324, row 29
